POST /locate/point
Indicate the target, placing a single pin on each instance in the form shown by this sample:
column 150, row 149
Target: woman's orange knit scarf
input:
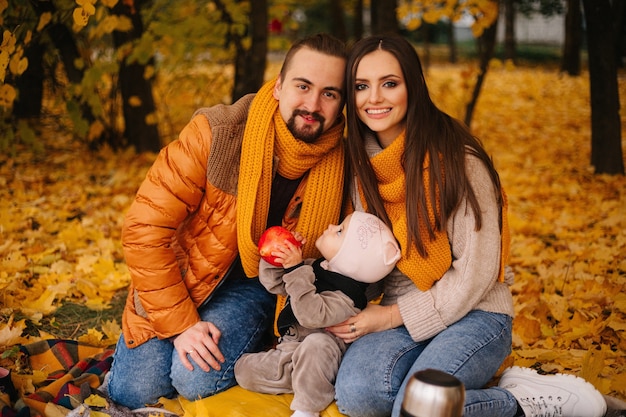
column 266, row 135
column 424, row 272
column 392, row 188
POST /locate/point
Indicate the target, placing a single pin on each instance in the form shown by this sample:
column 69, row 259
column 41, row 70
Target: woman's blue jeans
column 376, row 367
column 241, row 308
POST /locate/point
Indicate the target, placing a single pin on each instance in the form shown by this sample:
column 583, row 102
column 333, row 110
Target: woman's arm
column 472, row 274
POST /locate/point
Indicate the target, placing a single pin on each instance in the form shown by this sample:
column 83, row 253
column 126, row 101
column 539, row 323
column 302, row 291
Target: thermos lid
column 435, row 377
column 433, row 393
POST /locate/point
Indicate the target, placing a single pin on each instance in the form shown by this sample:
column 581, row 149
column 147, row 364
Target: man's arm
column 173, row 188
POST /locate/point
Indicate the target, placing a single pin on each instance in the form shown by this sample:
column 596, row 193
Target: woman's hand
column 199, row 343
column 374, row 318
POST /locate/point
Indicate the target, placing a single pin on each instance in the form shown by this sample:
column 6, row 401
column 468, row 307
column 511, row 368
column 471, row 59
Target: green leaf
column 81, row 126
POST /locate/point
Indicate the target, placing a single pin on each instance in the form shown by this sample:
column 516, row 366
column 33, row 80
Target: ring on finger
column 352, row 328
column 190, row 351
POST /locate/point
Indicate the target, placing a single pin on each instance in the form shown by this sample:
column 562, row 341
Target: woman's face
column 381, row 95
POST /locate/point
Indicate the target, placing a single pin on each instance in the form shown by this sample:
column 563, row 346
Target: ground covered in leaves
column 62, row 272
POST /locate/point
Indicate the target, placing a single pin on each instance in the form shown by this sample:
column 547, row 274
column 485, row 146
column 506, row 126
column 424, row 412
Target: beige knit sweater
column 471, row 283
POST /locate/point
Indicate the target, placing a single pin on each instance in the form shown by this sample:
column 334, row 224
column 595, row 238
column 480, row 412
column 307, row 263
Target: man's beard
column 306, row 133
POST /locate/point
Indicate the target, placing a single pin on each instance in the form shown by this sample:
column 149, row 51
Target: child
column 323, row 292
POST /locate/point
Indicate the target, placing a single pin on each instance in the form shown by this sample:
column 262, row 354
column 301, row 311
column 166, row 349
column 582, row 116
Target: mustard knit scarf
column 266, row 135
column 424, row 272
column 392, row 188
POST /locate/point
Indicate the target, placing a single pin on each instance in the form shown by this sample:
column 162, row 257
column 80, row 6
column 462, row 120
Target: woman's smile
column 375, row 112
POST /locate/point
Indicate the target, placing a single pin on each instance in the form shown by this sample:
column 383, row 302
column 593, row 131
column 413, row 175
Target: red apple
column 272, row 238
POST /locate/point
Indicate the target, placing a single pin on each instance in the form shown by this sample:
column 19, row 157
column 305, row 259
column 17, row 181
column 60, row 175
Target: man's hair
column 320, row 42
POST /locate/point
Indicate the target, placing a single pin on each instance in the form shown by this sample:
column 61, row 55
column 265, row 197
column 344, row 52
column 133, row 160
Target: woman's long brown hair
column 430, row 133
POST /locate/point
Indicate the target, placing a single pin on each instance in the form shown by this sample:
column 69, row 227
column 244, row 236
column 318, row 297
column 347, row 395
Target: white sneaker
column 552, row 395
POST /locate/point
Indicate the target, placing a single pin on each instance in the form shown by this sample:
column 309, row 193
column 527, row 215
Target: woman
column 447, row 305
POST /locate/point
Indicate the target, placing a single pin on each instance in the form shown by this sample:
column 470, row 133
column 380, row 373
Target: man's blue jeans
column 241, row 308
column 376, row 368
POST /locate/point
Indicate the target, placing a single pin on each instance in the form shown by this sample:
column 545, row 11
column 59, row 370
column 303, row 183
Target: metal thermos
column 433, row 393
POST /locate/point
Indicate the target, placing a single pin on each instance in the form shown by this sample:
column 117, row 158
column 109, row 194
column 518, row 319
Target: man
column 194, row 304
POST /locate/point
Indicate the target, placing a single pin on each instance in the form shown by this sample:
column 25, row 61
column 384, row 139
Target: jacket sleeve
column 316, row 310
column 271, row 277
column 172, row 189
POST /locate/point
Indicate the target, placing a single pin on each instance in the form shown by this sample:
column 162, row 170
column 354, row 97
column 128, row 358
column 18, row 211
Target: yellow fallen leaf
column 619, row 302
column 93, row 337
column 96, row 401
column 111, row 329
column 11, row 334
column 618, row 383
column 592, row 366
column 528, row 328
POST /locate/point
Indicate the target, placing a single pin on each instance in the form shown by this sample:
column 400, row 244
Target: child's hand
column 299, row 238
column 289, row 254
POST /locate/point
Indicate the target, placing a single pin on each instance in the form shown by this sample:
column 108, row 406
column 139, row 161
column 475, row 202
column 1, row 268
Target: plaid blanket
column 66, row 366
column 73, row 372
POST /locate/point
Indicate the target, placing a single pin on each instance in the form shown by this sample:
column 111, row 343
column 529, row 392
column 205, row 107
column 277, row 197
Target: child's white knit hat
column 369, row 250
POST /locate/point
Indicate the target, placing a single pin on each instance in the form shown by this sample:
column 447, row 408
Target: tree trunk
column 619, row 11
column 250, row 63
column 486, row 47
column 453, row 56
column 358, row 19
column 338, row 24
column 30, row 84
column 384, row 16
column 573, row 38
column 510, row 46
column 606, row 150
column 65, row 43
column 136, row 90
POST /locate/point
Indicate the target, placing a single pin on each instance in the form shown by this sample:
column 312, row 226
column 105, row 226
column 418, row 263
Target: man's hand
column 199, row 343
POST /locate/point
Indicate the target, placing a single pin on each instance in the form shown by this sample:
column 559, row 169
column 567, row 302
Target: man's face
column 310, row 95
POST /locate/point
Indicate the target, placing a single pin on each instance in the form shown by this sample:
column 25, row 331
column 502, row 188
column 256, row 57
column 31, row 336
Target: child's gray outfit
column 307, row 358
column 320, row 293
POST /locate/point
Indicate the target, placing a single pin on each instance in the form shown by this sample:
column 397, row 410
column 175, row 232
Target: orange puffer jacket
column 179, row 235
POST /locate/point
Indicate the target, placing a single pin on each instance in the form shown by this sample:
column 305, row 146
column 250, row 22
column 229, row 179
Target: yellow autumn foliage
column 61, row 217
